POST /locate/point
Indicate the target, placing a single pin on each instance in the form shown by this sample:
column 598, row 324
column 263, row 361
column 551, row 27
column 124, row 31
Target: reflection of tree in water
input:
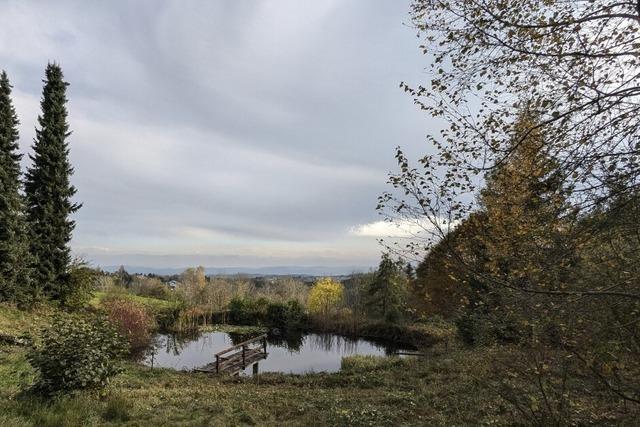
column 329, row 342
column 390, row 347
column 345, row 345
column 170, row 343
column 176, row 344
column 237, row 338
column 290, row 340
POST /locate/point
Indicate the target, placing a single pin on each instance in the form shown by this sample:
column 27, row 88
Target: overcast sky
column 224, row 133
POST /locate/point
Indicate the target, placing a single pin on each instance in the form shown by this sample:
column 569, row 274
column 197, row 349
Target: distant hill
column 249, row 271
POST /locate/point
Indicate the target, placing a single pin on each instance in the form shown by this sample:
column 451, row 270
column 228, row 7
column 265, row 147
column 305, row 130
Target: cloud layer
column 258, row 132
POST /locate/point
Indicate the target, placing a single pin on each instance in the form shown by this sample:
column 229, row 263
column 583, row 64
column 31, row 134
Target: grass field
column 155, row 305
column 368, row 391
column 451, row 386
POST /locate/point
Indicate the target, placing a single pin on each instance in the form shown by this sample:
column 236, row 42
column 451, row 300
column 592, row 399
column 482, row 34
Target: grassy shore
column 452, row 385
column 368, row 391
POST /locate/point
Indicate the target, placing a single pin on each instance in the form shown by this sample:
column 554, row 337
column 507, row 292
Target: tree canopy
column 49, row 190
column 15, row 283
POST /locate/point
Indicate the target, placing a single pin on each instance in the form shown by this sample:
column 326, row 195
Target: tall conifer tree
column 14, row 277
column 49, row 191
column 387, row 289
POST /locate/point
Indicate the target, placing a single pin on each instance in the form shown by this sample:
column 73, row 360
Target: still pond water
column 291, row 354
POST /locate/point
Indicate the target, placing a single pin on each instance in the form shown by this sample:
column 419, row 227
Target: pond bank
column 456, row 387
column 416, row 335
column 286, row 353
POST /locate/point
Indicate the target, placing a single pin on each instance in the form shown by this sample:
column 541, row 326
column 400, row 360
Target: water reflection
column 291, row 341
column 294, row 353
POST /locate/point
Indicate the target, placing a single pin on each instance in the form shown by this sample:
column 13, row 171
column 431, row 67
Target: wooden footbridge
column 235, row 359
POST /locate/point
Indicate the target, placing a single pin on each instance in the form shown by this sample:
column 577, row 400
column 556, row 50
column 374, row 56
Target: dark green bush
column 77, row 285
column 289, row 315
column 468, row 328
column 476, row 327
column 77, row 353
column 239, row 311
column 277, row 315
column 246, row 311
column 296, row 316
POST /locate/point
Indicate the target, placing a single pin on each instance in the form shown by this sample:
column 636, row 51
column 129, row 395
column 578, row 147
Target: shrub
column 245, row 311
column 277, row 315
column 296, row 316
column 77, row 285
column 76, row 353
column 325, row 296
column 477, row 328
column 289, row 315
column 150, row 287
column 133, row 322
column 238, row 311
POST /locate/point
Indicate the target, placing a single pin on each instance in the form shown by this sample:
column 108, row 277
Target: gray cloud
column 261, row 130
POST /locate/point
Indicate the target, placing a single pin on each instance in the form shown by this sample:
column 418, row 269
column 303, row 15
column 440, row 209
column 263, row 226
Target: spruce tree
column 386, row 291
column 49, row 191
column 14, row 277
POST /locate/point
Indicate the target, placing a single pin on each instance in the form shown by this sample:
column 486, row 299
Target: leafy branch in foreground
column 539, row 169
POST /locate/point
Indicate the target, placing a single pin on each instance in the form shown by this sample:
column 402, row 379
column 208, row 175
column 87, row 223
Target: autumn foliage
column 132, row 320
column 325, row 296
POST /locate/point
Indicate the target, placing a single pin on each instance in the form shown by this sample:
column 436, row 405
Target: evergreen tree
column 526, row 206
column 14, row 277
column 526, row 243
column 49, row 191
column 387, row 290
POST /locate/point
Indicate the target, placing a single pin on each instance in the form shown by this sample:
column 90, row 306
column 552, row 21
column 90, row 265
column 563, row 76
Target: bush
column 325, row 297
column 77, row 285
column 277, row 315
column 289, row 315
column 76, row 353
column 296, row 316
column 151, row 287
column 133, row 322
column 477, row 328
column 245, row 311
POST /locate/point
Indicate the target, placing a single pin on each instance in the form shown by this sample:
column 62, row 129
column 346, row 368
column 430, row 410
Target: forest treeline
column 377, row 296
column 35, row 206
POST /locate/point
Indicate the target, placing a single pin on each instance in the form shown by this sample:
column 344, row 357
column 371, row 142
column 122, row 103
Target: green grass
column 403, row 392
column 448, row 387
column 369, row 391
column 155, row 305
column 16, row 322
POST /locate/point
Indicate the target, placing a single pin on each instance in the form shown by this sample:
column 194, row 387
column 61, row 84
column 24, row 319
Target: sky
column 224, row 133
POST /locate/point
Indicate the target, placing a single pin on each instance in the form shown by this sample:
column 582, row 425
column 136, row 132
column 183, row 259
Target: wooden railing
column 244, row 346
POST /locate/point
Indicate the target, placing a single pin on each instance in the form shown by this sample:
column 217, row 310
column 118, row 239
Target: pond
column 288, row 354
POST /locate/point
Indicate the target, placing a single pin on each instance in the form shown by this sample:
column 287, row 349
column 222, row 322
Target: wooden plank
column 235, row 364
column 244, row 356
column 252, row 340
column 238, row 359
